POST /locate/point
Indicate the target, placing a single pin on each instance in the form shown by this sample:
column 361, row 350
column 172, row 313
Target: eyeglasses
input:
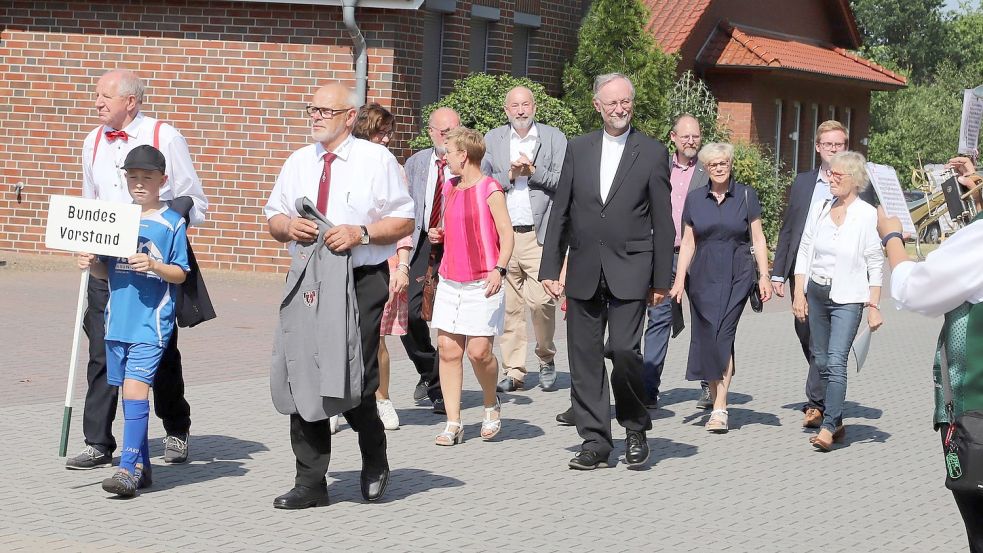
column 325, row 113
column 625, row 103
column 832, row 145
column 384, row 134
column 689, row 139
column 837, row 175
column 524, row 105
column 441, row 132
column 718, row 165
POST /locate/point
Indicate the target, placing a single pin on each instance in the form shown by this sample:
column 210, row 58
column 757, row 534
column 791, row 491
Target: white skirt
column 462, row 308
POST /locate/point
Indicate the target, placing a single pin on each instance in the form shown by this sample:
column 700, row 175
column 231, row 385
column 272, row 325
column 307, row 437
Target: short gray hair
column 129, row 84
column 604, row 79
column 853, row 164
column 715, row 150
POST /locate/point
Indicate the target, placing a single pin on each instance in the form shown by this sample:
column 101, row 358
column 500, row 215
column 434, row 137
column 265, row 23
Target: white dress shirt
column 432, row 188
column 612, row 148
column 103, row 178
column 366, row 187
column 826, row 247
column 949, row 276
column 517, row 198
column 821, row 192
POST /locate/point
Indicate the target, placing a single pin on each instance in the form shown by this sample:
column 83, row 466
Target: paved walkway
column 760, row 488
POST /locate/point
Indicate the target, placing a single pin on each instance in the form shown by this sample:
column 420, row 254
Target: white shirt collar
column 620, row 139
column 533, row 133
column 133, row 129
column 342, row 151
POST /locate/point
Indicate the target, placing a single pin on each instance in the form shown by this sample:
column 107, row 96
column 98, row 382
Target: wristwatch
column 891, row 235
column 501, row 270
column 365, row 236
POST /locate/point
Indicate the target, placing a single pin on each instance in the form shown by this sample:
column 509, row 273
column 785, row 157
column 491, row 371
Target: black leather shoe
column 588, row 460
column 302, row 497
column 438, row 407
column 652, row 401
column 420, row 392
column 636, row 449
column 566, row 418
column 374, row 482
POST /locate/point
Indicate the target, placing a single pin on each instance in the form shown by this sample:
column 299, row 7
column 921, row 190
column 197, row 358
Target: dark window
column 520, row 50
column 433, row 51
column 478, row 55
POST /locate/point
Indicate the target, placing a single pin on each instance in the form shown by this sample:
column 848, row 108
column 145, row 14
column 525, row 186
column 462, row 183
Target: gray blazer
column 417, row 168
column 700, row 177
column 317, row 351
column 551, row 146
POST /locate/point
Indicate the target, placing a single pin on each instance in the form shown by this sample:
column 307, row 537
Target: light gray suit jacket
column 317, row 351
column 551, row 146
column 700, row 177
column 417, row 168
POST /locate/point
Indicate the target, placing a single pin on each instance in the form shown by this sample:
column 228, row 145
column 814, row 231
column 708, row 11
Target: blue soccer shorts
column 132, row 361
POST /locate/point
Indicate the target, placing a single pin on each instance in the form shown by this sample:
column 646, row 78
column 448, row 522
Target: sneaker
column 90, row 457
column 333, row 424
column 438, row 407
column 387, row 413
column 144, row 476
column 121, row 483
column 176, row 449
column 509, row 384
column 420, row 392
column 547, row 376
column 705, row 401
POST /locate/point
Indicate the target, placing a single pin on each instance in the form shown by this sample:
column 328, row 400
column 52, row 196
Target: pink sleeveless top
column 470, row 238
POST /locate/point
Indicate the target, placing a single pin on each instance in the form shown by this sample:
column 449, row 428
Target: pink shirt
column 470, row 238
column 679, row 177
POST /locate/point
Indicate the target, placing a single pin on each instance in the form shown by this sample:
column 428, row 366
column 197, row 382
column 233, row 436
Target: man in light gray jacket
column 526, row 158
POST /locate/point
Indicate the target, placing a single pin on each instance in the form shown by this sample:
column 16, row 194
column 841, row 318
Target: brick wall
column 233, row 77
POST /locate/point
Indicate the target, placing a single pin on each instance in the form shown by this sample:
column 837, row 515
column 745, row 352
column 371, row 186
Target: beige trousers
column 524, row 290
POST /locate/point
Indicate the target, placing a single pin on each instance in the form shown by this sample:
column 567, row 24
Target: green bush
column 691, row 95
column 480, row 99
column 755, row 166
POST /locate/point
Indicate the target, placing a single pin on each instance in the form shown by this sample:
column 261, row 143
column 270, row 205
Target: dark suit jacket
column 629, row 236
column 794, row 221
column 193, row 305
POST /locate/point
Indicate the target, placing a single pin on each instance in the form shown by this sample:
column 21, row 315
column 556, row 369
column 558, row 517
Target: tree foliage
column 903, row 34
column 613, row 38
column 755, row 166
column 480, row 99
column 691, row 95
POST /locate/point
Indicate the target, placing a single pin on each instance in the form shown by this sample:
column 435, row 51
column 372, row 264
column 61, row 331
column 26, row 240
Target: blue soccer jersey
column 141, row 305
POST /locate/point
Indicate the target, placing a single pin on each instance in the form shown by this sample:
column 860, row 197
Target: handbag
column 754, row 296
column 963, row 443
column 430, row 284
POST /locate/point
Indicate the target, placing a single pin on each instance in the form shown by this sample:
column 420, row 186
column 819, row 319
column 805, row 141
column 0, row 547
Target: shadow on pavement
column 211, row 457
column 851, row 409
column 403, row 482
column 681, row 395
column 660, row 450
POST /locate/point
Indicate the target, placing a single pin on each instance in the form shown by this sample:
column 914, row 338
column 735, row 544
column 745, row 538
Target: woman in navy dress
column 716, row 269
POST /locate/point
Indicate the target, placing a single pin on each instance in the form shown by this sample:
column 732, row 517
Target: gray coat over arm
column 317, row 351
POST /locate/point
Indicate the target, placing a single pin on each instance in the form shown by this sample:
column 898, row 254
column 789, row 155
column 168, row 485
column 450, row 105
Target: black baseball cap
column 145, row 157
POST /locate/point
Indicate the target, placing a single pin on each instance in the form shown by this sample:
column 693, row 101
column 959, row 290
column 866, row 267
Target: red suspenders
column 100, row 133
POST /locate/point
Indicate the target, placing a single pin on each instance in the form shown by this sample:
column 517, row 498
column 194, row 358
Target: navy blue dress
column 720, row 275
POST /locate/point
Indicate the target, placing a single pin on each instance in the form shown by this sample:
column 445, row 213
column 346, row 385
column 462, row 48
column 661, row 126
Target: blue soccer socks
column 136, row 413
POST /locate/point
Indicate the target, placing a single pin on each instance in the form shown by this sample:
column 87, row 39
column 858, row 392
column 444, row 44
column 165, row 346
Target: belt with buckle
column 821, row 280
column 522, row 228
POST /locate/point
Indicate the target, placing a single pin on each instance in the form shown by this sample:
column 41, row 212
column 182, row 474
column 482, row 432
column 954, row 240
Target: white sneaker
column 333, row 422
column 388, row 414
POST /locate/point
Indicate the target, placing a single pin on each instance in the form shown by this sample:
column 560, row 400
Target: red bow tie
column 113, row 135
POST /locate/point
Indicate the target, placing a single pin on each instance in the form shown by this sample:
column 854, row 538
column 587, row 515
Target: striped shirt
column 471, row 244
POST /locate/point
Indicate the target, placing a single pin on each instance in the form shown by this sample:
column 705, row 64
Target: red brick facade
column 233, row 77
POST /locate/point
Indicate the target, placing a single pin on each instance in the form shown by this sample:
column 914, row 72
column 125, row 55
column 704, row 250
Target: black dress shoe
column 588, row 460
column 302, row 497
column 420, row 392
column 438, row 407
column 374, row 482
column 652, row 401
column 566, row 418
column 636, row 449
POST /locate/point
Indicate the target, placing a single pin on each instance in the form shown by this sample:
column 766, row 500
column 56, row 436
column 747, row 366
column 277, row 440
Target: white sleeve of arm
column 185, row 181
column 949, row 276
column 88, row 185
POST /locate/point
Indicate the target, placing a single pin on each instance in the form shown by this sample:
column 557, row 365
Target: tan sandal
column 718, row 421
column 450, row 437
column 491, row 427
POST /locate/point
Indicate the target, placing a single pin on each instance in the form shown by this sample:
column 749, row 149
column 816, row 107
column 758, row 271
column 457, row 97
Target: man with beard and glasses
column 613, row 212
column 526, row 157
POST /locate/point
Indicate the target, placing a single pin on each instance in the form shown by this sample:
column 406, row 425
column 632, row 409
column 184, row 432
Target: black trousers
column 586, row 321
column 416, row 341
column 815, row 389
column 311, row 441
column 101, row 399
column 971, row 508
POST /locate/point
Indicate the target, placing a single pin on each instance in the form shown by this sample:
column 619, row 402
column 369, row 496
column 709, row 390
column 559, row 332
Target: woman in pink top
column 469, row 308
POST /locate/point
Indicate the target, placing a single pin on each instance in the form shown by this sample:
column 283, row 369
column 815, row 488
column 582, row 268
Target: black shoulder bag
column 754, row 296
column 963, row 444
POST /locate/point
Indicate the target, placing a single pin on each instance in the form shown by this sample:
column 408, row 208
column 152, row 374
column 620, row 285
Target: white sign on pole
column 969, row 126
column 885, row 182
column 92, row 226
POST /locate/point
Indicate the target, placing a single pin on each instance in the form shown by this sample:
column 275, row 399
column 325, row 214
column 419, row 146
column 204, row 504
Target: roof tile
column 672, row 21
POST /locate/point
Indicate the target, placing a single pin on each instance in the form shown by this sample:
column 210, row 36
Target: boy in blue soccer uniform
column 140, row 313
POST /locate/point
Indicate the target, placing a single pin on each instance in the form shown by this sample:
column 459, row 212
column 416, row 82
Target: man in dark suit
column 612, row 209
column 686, row 174
column 809, row 187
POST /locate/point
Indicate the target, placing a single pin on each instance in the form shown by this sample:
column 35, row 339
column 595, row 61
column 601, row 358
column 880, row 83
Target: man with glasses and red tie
column 426, row 172
column 808, row 188
column 119, row 97
column 357, row 186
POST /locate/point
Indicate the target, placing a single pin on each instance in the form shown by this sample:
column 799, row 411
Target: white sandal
column 450, row 437
column 718, row 421
column 491, row 427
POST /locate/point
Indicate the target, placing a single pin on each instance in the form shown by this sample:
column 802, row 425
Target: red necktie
column 113, row 135
column 436, row 210
column 325, row 185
